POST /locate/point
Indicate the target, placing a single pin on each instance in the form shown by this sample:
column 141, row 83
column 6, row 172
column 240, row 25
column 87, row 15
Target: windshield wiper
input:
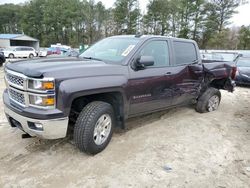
column 92, row 58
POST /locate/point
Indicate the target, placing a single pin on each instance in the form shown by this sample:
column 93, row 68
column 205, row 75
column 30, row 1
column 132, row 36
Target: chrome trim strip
column 43, row 95
column 27, row 91
column 24, row 87
column 41, row 91
column 18, row 91
column 26, row 82
column 52, row 128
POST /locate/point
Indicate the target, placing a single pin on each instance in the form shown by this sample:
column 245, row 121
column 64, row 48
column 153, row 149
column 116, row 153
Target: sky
column 239, row 19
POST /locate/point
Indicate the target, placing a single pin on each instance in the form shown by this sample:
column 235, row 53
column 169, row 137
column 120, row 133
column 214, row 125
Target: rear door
column 26, row 52
column 148, row 89
column 186, row 71
column 18, row 52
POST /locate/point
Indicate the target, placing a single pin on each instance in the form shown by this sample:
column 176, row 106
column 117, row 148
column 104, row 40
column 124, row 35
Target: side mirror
column 145, row 61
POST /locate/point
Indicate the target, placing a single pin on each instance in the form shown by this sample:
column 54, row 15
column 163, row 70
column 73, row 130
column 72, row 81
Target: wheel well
column 219, row 83
column 113, row 98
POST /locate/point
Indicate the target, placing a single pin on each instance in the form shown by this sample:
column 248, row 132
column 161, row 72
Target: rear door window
column 185, row 53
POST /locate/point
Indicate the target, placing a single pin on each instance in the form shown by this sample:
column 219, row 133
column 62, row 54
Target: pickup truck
column 115, row 79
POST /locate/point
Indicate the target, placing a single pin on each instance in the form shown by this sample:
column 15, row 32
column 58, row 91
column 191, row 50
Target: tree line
column 75, row 22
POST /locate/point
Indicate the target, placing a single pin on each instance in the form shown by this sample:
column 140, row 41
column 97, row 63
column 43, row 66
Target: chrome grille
column 17, row 96
column 14, row 79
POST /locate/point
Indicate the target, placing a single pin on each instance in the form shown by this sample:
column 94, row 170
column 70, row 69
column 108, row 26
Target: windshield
column 243, row 63
column 111, row 49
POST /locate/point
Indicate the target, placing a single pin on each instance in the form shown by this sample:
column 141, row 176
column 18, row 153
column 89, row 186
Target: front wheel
column 94, row 127
column 209, row 101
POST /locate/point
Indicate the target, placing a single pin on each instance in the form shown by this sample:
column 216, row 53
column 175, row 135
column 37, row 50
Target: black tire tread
column 11, row 55
column 83, row 125
column 201, row 106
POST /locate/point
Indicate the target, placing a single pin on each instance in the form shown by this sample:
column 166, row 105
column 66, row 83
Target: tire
column 86, row 128
column 11, row 56
column 31, row 56
column 1, row 62
column 209, row 101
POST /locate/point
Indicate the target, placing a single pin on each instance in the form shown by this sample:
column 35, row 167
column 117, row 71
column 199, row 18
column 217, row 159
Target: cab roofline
column 150, row 36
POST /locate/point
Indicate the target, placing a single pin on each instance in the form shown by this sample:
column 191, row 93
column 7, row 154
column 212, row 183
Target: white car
column 20, row 51
column 42, row 52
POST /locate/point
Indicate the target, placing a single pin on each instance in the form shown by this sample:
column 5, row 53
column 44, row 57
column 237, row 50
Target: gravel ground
column 174, row 148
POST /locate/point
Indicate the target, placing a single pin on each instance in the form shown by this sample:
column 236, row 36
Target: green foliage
column 126, row 15
column 244, row 38
column 75, row 22
column 10, row 17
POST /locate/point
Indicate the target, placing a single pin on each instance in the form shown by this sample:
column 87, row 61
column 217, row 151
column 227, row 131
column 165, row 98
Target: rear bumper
column 48, row 129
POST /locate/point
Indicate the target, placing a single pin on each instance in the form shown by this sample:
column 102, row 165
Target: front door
column 148, row 89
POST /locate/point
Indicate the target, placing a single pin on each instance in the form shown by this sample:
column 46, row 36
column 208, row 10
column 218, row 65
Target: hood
column 244, row 70
column 64, row 67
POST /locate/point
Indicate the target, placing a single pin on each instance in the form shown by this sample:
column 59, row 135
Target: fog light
column 39, row 126
column 35, row 126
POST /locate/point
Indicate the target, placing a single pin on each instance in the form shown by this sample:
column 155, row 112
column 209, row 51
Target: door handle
column 168, row 73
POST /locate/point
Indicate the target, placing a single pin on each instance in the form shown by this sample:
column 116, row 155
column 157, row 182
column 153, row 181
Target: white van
column 20, row 51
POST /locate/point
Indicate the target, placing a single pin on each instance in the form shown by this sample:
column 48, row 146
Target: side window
column 159, row 50
column 185, row 53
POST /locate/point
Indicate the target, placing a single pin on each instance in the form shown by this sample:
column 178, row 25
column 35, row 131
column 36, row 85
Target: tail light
column 233, row 73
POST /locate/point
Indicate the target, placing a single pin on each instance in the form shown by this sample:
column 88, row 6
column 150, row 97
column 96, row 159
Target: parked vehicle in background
column 20, row 51
column 2, row 58
column 43, row 52
column 115, row 79
column 228, row 56
column 71, row 53
column 211, row 57
column 243, row 71
column 54, row 50
column 219, row 57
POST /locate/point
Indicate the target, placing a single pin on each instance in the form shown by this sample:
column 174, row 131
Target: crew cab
column 115, row 79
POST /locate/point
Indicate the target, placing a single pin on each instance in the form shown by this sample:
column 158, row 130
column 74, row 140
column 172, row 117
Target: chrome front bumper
column 51, row 129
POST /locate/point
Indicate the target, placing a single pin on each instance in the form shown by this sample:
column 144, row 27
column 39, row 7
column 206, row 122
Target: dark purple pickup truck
column 115, row 79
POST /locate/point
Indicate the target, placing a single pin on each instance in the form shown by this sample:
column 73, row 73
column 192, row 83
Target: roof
column 17, row 37
column 9, row 36
column 145, row 37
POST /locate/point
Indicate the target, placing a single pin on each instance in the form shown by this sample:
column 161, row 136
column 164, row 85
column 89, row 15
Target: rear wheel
column 31, row 56
column 94, row 127
column 11, row 56
column 209, row 101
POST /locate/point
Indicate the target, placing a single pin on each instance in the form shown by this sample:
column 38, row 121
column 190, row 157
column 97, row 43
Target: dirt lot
column 175, row 148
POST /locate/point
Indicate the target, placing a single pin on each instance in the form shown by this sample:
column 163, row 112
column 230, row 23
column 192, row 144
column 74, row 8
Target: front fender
column 78, row 87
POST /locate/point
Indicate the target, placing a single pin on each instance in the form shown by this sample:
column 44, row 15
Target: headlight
column 41, row 85
column 42, row 101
